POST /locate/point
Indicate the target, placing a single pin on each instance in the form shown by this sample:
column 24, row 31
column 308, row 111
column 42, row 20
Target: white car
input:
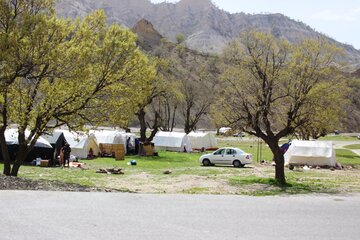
column 226, row 156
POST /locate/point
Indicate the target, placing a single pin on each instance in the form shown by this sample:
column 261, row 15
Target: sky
column 338, row 19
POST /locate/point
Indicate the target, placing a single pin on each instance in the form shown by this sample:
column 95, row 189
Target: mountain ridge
column 207, row 28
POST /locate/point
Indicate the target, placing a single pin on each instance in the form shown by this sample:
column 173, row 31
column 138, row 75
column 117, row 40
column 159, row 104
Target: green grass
column 196, row 190
column 269, row 186
column 353, row 146
column 177, row 162
column 339, row 138
column 254, row 179
column 164, row 161
column 347, row 157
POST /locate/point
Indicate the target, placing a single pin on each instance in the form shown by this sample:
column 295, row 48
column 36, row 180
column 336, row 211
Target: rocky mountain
column 206, row 27
column 148, row 37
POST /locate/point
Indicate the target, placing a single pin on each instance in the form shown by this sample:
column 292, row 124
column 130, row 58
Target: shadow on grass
column 348, row 156
column 227, row 166
column 257, row 186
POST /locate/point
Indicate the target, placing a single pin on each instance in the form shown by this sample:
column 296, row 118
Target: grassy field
column 339, row 138
column 187, row 176
column 353, row 146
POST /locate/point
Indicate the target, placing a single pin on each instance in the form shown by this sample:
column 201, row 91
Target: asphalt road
column 65, row 215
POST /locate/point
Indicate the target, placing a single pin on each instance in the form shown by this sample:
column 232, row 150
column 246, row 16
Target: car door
column 229, row 157
column 218, row 156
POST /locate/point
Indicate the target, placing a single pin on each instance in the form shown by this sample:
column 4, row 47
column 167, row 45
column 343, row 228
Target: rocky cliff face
column 148, row 37
column 206, row 27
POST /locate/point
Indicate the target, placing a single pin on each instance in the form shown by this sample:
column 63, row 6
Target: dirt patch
column 212, row 180
column 16, row 183
column 182, row 184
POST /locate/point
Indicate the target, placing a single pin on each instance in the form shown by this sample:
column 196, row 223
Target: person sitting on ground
column 90, row 154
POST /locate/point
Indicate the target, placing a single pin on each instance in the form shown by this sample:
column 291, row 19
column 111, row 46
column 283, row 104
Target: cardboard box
column 44, row 163
column 149, row 150
column 119, row 151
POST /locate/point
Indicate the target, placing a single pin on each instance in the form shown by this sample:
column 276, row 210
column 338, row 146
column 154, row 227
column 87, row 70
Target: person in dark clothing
column 65, row 155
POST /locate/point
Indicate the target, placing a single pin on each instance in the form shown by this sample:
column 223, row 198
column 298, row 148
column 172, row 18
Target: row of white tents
column 320, row 153
column 315, row 153
column 182, row 142
column 80, row 143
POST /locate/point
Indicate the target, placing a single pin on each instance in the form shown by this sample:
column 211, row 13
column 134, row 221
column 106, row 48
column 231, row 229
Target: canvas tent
column 80, row 143
column 314, row 153
column 115, row 137
column 130, row 142
column 57, row 141
column 202, row 140
column 172, row 141
column 108, row 136
column 42, row 148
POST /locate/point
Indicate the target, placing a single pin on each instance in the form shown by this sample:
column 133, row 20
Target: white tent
column 172, row 141
column 202, row 140
column 130, row 141
column 42, row 148
column 314, row 153
column 80, row 143
column 109, row 137
column 11, row 136
column 114, row 137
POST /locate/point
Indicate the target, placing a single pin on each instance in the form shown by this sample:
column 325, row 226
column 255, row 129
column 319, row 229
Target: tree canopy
column 273, row 88
column 54, row 72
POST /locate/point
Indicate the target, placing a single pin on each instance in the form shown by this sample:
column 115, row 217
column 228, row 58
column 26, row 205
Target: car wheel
column 206, row 162
column 238, row 164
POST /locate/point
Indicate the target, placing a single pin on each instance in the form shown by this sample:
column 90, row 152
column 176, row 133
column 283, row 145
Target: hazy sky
column 339, row 19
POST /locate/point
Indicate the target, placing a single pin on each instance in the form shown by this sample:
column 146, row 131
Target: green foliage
column 59, row 72
column 353, row 109
column 281, row 86
column 180, row 38
column 273, row 89
column 183, row 89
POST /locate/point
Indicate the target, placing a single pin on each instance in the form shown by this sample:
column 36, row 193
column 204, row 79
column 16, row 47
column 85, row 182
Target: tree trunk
column 142, row 122
column 21, row 155
column 5, row 153
column 155, row 128
column 173, row 119
column 15, row 169
column 279, row 161
column 279, row 168
column 187, row 115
